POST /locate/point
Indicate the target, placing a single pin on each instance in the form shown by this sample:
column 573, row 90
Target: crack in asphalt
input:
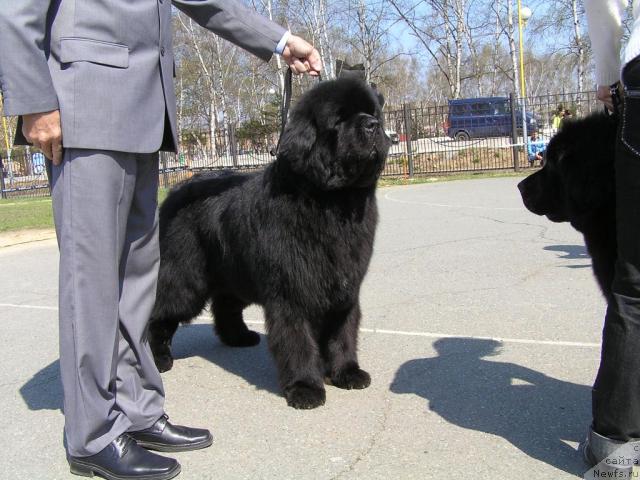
column 373, row 440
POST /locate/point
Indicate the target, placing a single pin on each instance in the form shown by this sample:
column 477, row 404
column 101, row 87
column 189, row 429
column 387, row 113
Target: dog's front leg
column 297, row 357
column 340, row 351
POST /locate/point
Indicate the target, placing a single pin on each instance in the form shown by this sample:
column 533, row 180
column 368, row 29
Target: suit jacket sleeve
column 25, row 80
column 233, row 21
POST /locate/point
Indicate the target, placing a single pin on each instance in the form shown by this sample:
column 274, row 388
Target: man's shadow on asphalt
column 529, row 409
column 44, row 390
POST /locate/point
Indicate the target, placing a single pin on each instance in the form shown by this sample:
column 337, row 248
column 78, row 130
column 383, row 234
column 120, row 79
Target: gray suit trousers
column 105, row 211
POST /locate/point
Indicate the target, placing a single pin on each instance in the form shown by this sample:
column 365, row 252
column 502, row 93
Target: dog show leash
column 284, row 107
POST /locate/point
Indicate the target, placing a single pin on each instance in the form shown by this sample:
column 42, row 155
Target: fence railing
column 426, row 142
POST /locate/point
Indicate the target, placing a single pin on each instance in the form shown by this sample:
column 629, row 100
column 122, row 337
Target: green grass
column 22, row 214
column 162, row 194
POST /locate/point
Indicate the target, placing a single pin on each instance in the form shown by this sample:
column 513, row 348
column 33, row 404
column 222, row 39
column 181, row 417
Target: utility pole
column 3, row 193
column 4, row 126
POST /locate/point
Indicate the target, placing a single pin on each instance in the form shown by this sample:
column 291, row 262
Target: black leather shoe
column 165, row 437
column 122, row 459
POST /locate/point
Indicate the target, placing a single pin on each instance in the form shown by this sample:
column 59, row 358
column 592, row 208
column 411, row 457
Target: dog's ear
column 297, row 139
column 374, row 87
column 587, row 165
column 588, row 189
column 307, row 153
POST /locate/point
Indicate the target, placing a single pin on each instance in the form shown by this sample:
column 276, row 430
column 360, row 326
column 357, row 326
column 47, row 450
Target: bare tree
column 206, row 76
column 440, row 28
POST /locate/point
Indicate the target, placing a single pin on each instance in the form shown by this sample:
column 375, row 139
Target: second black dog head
column 577, row 179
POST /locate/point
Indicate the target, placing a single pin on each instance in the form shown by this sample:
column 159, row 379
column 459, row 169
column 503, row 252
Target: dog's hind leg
column 229, row 325
column 160, row 334
column 339, row 347
column 297, row 356
column 180, row 297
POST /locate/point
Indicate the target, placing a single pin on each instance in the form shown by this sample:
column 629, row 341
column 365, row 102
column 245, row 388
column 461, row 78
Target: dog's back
column 197, row 189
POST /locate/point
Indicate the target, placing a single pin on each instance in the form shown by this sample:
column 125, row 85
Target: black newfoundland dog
column 576, row 185
column 295, row 238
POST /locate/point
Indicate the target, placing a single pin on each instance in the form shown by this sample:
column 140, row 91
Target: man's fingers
column 46, row 149
column 298, row 66
column 604, row 95
column 314, row 61
column 45, row 132
column 57, row 152
column 301, row 56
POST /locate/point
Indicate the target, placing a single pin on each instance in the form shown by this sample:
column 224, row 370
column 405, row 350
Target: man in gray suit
column 96, row 78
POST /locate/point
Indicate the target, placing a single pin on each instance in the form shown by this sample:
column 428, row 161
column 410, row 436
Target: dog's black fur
column 295, row 238
column 576, row 185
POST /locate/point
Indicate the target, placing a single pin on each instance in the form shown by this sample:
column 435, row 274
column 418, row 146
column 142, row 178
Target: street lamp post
column 6, row 142
column 524, row 14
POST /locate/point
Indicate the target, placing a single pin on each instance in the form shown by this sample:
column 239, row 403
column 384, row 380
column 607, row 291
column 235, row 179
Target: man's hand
column 301, row 56
column 43, row 130
column 604, row 95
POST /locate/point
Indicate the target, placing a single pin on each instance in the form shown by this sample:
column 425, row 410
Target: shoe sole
column 160, row 447
column 87, row 470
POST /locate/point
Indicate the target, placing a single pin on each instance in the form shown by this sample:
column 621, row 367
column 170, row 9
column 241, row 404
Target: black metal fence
column 426, row 142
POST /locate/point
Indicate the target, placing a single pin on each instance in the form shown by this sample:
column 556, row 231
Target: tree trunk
column 577, row 29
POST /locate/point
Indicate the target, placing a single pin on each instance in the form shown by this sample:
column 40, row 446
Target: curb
column 21, row 237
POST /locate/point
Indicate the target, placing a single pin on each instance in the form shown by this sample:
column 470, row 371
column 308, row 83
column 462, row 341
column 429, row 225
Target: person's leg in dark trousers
column 616, row 392
column 104, row 209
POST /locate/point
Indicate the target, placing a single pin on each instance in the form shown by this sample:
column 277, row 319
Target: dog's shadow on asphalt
column 571, row 252
column 534, row 412
column 255, row 365
column 44, row 390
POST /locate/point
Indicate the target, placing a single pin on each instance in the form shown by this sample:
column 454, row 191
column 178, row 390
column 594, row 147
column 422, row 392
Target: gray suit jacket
column 108, row 65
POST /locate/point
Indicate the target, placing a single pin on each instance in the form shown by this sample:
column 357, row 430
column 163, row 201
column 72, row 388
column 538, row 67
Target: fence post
column 2, row 187
column 234, row 146
column 514, row 131
column 407, row 137
column 165, row 181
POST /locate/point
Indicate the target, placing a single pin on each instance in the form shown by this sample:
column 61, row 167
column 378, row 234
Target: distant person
column 566, row 115
column 556, row 120
column 535, row 149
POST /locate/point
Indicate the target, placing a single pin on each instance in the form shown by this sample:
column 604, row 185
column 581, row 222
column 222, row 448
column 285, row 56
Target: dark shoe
column 165, row 437
column 122, row 459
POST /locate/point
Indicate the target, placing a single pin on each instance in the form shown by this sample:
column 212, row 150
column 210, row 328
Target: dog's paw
column 164, row 362
column 351, row 378
column 247, row 338
column 304, row 396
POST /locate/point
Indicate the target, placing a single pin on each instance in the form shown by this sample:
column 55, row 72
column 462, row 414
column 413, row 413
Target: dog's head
column 577, row 177
column 335, row 137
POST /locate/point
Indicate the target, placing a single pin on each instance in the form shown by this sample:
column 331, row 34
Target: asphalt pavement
column 481, row 331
